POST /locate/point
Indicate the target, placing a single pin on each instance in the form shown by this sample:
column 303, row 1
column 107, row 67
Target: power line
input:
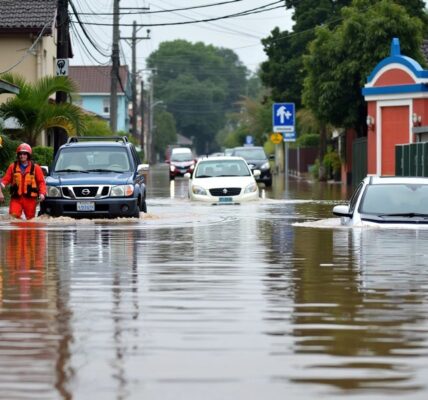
column 88, row 52
column 256, row 10
column 84, row 31
column 164, row 11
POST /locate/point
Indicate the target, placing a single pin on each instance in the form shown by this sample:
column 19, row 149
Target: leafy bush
column 308, row 140
column 331, row 161
column 7, row 153
column 42, row 155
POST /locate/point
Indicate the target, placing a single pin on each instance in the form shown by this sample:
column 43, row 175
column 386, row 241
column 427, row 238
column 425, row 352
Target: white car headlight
column 251, row 188
column 172, row 168
column 199, row 190
column 266, row 165
column 122, row 191
column 53, row 191
column 192, row 166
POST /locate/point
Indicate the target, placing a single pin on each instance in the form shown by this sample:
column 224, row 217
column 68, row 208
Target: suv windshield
column 395, row 199
column 250, row 154
column 92, row 159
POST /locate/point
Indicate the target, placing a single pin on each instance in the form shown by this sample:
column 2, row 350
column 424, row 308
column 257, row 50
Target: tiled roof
column 27, row 15
column 96, row 79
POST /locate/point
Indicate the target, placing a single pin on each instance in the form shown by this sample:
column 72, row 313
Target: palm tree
column 35, row 110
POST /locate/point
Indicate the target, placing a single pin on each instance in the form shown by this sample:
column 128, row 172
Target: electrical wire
column 85, row 32
column 88, row 52
column 164, row 11
column 256, row 10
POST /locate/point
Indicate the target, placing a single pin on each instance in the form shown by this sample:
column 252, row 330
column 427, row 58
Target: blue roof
column 397, row 58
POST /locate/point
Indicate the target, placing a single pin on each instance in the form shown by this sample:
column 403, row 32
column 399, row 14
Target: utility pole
column 134, row 40
column 62, row 23
column 150, row 127
column 142, row 113
column 114, row 73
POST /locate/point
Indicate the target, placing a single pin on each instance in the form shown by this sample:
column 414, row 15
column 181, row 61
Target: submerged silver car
column 387, row 200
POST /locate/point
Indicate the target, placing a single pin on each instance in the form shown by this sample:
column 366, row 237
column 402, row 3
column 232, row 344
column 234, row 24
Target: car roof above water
column 385, row 180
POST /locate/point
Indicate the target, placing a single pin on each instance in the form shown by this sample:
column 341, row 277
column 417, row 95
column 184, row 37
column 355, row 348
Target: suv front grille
column 89, row 191
column 225, row 191
column 85, row 192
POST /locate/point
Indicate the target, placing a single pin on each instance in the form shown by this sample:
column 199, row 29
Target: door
column 395, row 130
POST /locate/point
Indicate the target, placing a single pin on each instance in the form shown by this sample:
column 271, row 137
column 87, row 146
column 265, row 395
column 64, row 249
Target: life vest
column 23, row 185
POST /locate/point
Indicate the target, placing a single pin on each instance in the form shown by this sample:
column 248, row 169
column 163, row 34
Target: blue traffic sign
column 289, row 136
column 283, row 117
column 249, row 140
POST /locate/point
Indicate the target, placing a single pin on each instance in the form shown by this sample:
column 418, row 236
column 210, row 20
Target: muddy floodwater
column 269, row 300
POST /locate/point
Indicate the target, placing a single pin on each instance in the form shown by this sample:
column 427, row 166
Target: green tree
column 199, row 84
column 283, row 71
column 164, row 131
column 253, row 119
column 339, row 60
column 95, row 126
column 34, row 109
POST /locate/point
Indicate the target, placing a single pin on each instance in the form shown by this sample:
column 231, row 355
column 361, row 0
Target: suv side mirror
column 45, row 170
column 142, row 168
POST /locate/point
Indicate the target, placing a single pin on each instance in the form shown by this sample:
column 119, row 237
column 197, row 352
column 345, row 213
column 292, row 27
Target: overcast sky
column 241, row 34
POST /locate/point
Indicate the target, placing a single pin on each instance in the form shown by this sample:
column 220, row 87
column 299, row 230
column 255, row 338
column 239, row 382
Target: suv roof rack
column 75, row 139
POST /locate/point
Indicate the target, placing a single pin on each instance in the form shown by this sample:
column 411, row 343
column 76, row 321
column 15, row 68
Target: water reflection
column 360, row 298
column 213, row 302
column 34, row 336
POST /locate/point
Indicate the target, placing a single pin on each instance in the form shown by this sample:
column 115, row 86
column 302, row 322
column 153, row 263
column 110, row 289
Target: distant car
column 181, row 162
column 256, row 159
column 228, row 152
column 96, row 177
column 223, row 180
column 386, row 200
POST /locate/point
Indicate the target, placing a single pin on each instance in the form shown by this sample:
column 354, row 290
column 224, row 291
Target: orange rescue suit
column 25, row 187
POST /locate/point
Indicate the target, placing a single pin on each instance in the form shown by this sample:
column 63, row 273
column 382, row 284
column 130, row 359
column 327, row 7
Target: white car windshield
column 211, row 169
column 396, row 199
column 181, row 157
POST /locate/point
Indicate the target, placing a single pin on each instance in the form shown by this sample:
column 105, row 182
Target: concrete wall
column 31, row 65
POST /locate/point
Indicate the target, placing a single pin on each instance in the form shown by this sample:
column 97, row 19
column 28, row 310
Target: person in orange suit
column 27, row 184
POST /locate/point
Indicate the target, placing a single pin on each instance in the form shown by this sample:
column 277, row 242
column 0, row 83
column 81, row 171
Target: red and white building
column 397, row 108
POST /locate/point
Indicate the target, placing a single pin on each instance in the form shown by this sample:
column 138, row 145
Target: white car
column 387, row 200
column 223, row 180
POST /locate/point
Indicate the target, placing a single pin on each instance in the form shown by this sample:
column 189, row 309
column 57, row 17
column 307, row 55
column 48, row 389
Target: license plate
column 225, row 199
column 85, row 206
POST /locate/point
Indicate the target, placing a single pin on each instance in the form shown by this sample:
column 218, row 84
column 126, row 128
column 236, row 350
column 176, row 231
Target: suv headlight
column 122, row 191
column 252, row 187
column 266, row 165
column 199, row 190
column 53, row 191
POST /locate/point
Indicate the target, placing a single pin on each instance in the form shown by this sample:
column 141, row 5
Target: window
column 106, row 106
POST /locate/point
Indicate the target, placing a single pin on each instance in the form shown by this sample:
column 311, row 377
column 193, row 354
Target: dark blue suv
column 96, row 177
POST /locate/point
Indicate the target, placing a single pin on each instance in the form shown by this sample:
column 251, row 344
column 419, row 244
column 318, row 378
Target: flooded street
column 214, row 302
